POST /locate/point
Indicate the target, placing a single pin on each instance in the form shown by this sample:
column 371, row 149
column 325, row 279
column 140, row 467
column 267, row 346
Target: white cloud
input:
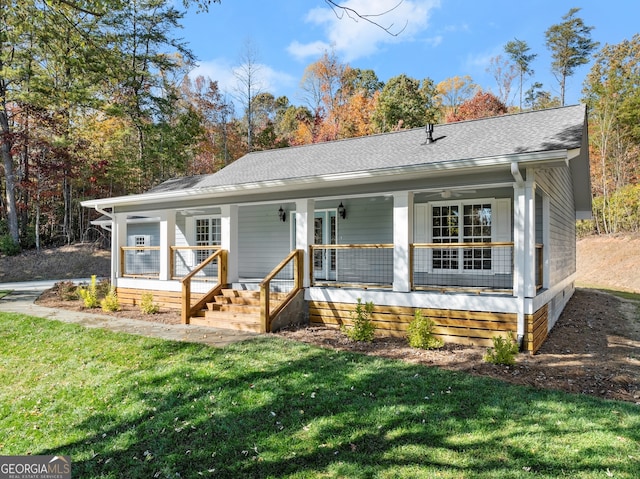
column 354, row 38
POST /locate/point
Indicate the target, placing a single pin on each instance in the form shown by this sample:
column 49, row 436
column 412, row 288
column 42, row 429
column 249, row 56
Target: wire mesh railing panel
column 482, row 266
column 186, row 259
column 357, row 265
column 141, row 261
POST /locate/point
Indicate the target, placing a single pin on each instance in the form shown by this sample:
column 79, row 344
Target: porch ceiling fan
column 450, row 193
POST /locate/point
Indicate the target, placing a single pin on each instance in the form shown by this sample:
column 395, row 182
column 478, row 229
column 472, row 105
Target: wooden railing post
column 264, row 306
column 186, row 301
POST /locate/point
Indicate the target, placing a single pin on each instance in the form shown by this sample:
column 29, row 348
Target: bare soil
column 593, row 349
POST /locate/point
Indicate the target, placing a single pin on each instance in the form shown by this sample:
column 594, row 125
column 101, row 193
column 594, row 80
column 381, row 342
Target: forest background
column 96, row 101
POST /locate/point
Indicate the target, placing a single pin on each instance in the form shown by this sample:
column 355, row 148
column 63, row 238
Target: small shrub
column 66, row 291
column 504, row 351
column 110, row 301
column 147, row 306
column 420, row 333
column 103, row 288
column 90, row 294
column 363, row 329
column 8, row 246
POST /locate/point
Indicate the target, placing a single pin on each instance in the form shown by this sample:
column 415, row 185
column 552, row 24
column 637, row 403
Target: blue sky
column 442, row 38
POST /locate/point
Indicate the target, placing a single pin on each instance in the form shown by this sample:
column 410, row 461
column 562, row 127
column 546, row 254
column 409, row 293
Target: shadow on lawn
column 338, row 415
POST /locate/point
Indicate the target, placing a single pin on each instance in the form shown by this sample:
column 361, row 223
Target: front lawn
column 126, row 406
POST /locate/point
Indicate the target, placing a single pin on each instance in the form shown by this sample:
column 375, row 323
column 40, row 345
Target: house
column 472, row 222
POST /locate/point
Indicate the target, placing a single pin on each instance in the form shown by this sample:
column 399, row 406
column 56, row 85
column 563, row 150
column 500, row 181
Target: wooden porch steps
column 235, row 309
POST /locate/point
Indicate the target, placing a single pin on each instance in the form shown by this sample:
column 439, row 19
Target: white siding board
column 263, row 240
column 562, row 234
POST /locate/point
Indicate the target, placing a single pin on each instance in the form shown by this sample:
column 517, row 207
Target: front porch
column 467, row 309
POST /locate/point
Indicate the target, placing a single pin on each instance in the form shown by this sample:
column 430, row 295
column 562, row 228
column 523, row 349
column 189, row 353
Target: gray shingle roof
column 530, row 132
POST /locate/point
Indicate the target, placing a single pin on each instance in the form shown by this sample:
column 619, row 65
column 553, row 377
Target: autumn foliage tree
column 482, row 105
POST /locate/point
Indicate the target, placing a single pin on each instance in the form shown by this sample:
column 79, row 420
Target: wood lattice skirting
column 537, row 326
column 166, row 299
column 453, row 326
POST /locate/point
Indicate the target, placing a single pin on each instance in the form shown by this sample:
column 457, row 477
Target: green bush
column 90, row 294
column 66, row 290
column 147, row 306
column 363, row 329
column 504, row 351
column 420, row 333
column 8, row 246
column 110, row 301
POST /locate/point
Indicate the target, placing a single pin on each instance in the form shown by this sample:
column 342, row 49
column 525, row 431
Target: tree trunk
column 9, row 177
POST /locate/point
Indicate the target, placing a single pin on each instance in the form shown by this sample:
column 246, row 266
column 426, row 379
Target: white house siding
column 151, row 230
column 368, row 221
column 556, row 182
column 263, row 240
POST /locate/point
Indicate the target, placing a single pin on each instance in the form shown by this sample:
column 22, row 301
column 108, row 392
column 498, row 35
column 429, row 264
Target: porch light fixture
column 342, row 211
column 282, row 215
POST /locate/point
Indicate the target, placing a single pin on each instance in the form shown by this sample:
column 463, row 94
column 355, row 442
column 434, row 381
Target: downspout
column 515, row 172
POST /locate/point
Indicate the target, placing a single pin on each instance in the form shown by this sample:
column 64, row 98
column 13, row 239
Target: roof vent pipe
column 429, row 130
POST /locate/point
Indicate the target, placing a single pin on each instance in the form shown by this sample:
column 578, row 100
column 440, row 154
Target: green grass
column 127, row 406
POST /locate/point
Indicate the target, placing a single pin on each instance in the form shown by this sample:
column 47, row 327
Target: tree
column 249, row 84
column 537, row 99
column 571, row 46
column 612, row 92
column 517, row 51
column 454, row 91
column 482, row 105
column 504, row 73
column 405, row 102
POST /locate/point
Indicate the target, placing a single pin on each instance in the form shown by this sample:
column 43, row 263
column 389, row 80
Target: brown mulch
column 593, row 349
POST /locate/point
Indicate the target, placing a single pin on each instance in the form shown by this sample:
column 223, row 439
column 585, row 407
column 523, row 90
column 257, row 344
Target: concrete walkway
column 23, row 295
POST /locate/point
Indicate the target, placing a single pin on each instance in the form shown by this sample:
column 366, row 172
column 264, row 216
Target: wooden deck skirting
column 537, row 325
column 459, row 327
column 166, row 299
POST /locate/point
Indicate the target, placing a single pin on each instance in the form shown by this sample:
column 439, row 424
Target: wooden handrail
column 172, row 263
column 350, row 246
column 266, row 314
column 187, row 309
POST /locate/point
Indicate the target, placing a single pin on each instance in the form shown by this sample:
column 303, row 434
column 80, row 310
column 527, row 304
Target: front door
column 324, row 232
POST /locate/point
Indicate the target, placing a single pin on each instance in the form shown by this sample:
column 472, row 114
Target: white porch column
column 402, row 238
column 530, row 237
column 229, row 239
column 118, row 239
column 305, row 210
column 167, row 240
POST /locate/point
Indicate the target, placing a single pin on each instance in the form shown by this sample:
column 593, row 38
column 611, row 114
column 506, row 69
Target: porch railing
column 188, row 310
column 345, row 265
column 185, row 258
column 280, row 286
column 480, row 267
column 140, row 261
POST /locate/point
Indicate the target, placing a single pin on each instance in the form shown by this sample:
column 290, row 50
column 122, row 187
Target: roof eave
column 366, row 176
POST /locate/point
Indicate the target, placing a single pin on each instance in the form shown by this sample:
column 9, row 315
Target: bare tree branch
column 340, row 11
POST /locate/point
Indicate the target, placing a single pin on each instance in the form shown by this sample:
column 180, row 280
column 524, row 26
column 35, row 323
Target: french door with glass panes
column 324, row 232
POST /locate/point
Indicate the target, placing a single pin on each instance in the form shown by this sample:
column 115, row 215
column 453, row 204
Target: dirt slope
column 611, row 262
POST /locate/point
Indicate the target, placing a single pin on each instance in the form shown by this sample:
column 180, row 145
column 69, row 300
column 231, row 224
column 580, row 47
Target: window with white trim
column 141, row 241
column 462, row 222
column 207, row 233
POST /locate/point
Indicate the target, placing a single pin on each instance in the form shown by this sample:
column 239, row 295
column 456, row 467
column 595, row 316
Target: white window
column 476, row 221
column 141, row 241
column 207, row 233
